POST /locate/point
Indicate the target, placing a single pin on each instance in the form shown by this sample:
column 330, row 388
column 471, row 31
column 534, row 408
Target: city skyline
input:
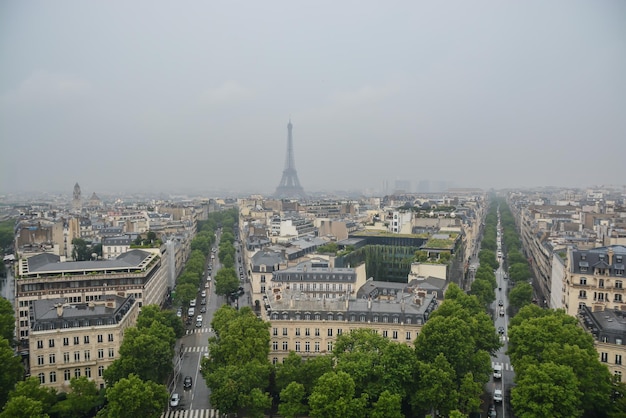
column 161, row 98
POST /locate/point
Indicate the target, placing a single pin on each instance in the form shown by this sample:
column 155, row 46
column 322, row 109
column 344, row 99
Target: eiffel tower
column 289, row 187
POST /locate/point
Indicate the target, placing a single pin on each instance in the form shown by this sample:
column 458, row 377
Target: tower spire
column 289, row 186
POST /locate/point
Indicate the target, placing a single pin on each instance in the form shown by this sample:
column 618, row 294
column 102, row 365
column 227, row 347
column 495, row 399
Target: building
column 70, row 340
column 141, row 274
column 310, row 326
column 595, row 279
column 609, row 332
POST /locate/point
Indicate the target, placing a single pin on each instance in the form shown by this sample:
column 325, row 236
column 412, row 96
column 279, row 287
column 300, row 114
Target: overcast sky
column 196, row 95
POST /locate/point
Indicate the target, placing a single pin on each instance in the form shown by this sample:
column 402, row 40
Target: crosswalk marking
column 192, row 413
column 505, row 366
column 198, row 330
column 197, row 349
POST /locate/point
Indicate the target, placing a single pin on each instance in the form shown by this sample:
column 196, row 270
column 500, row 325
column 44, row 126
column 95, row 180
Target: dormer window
column 583, row 257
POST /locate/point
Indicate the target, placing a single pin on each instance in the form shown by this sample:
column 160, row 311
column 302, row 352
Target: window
column 330, row 346
column 307, row 347
column 274, row 331
column 66, row 357
column 408, row 335
column 86, row 339
column 618, row 376
column 87, row 355
column 582, row 294
column 317, row 332
column 52, row 358
column 76, row 372
column 40, row 344
column 618, row 298
column 275, row 361
column 618, row 359
column 88, row 371
column 395, row 335
column 604, row 357
column 66, row 341
column 66, row 375
column 317, row 346
column 385, row 333
column 297, row 332
column 100, row 371
column 601, row 283
column 53, row 377
column 110, row 337
column 618, row 284
column 40, row 360
column 111, row 353
column 317, row 317
column 307, row 332
column 395, row 319
column 375, row 319
column 51, row 343
column 76, row 355
column 385, row 319
column 285, row 346
column 284, row 331
column 339, row 331
column 330, row 332
column 263, row 278
column 100, row 339
column 362, row 318
column 298, row 346
column 76, row 340
column 42, row 378
column 274, row 345
column 100, row 353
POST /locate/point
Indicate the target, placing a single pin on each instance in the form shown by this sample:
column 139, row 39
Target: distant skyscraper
column 289, row 187
column 77, row 202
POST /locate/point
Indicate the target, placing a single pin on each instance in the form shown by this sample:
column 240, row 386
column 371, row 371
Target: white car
column 199, row 318
column 203, row 294
column 497, row 395
column 174, row 400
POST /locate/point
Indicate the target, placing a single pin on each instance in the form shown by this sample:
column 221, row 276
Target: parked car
column 203, row 301
column 187, row 382
column 179, row 312
column 500, row 303
column 492, row 411
column 174, row 400
column 203, row 309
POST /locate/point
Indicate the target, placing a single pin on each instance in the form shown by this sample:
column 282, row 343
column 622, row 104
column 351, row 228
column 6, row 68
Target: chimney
column 369, row 303
column 291, row 302
column 610, row 252
column 59, row 307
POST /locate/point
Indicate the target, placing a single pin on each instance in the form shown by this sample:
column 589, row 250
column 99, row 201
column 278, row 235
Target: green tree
column 436, row 386
column 295, row 369
column 521, row 295
column 80, row 250
column 151, row 236
column 23, row 407
column 483, row 291
column 132, row 397
column 7, row 320
column 12, row 370
column 153, row 313
column 547, row 390
column 83, row 397
column 388, row 405
column 293, row 400
column 184, row 293
column 30, row 388
column 226, row 281
column 333, row 396
column 6, row 234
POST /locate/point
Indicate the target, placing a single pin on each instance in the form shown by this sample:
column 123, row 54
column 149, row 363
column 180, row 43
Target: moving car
column 501, row 310
column 179, row 312
column 203, row 309
column 203, row 294
column 497, row 371
column 174, row 400
column 187, row 382
column 203, row 301
column 192, row 303
column 497, row 395
column 492, row 411
column 500, row 303
column 501, row 330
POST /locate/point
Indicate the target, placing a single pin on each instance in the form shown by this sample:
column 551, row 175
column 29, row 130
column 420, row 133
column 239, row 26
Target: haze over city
column 165, row 96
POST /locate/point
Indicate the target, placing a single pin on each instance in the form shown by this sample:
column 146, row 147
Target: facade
column 310, row 326
column 73, row 340
column 262, row 265
column 115, row 246
column 141, row 274
column 595, row 279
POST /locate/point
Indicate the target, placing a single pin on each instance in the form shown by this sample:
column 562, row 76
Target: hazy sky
column 196, row 95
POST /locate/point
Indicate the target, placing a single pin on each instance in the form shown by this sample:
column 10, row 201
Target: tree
column 226, row 281
column 23, row 407
column 80, row 251
column 152, row 236
column 521, row 295
column 7, row 319
column 389, row 405
column 132, row 397
column 435, row 386
column 293, row 400
column 483, row 291
column 147, row 353
column 31, row 389
column 153, row 313
column 83, row 397
column 294, row 369
column 12, row 370
column 184, row 293
column 333, row 396
column 547, row 390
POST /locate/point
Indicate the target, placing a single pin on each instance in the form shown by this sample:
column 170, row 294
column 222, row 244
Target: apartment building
column 310, row 326
column 70, row 340
column 595, row 279
column 138, row 273
column 609, row 332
